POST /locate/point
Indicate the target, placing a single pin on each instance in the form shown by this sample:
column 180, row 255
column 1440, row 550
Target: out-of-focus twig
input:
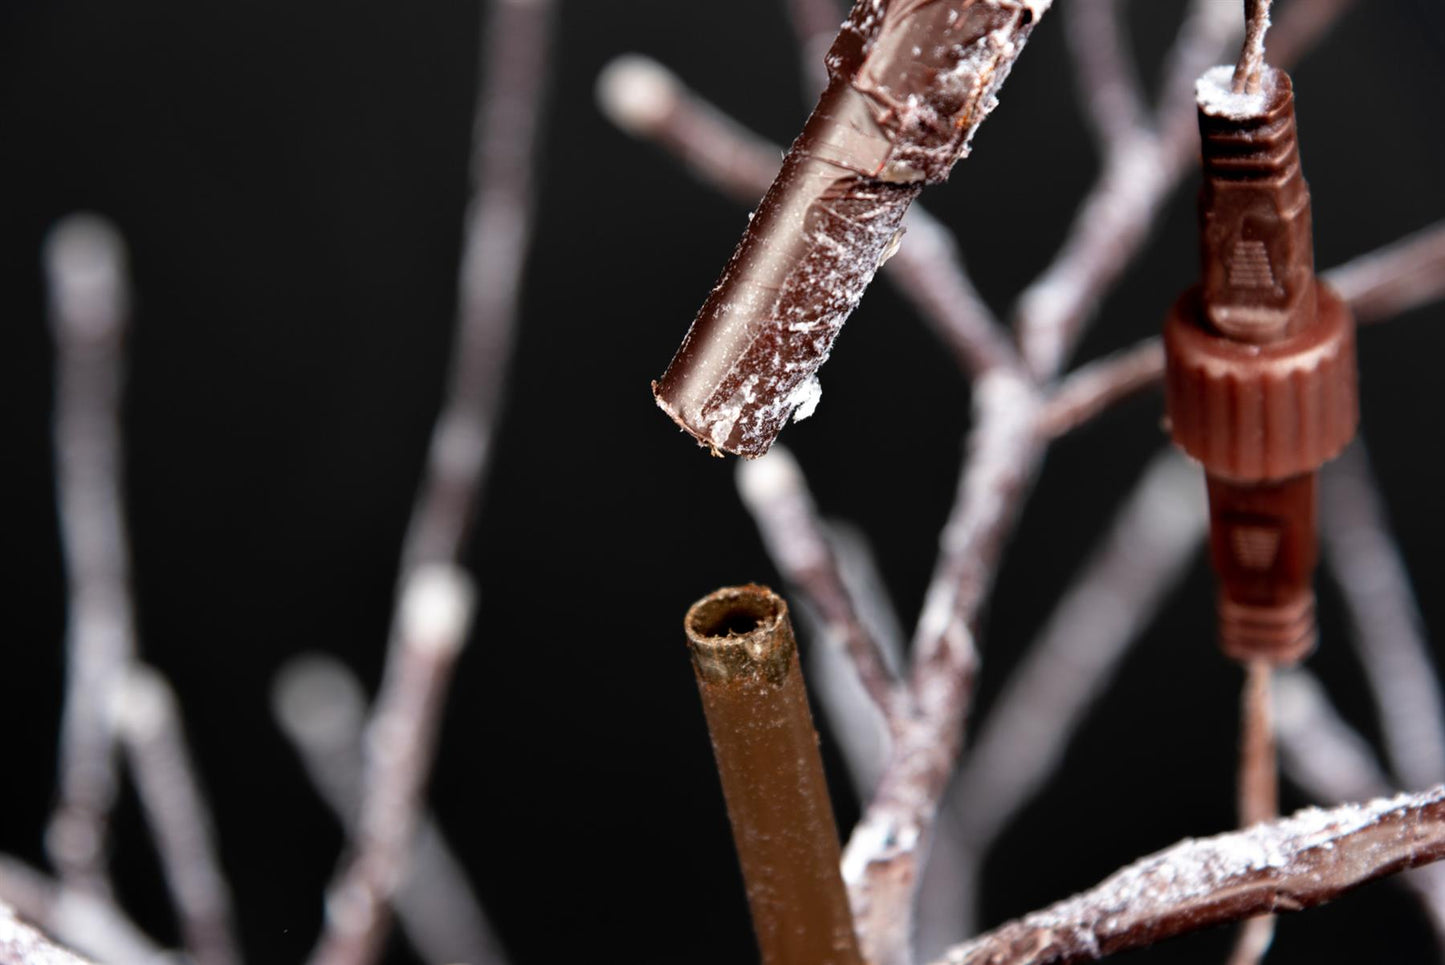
column 89, row 923
column 1287, row 865
column 746, row 663
column 1395, row 278
column 775, row 492
column 321, row 707
column 1387, row 627
column 1092, row 389
column 150, row 730
column 85, row 261
column 432, row 621
column 1107, row 81
column 647, row 100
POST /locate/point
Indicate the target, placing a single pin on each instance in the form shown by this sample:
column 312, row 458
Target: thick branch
column 909, row 84
column 22, row 945
column 89, row 923
column 649, row 101
column 1299, row 862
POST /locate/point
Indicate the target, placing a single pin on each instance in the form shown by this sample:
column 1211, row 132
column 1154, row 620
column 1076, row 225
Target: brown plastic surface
column 1260, row 374
column 746, row 664
column 909, row 82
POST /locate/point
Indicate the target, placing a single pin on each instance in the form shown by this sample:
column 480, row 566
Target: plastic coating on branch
column 746, row 663
column 909, row 83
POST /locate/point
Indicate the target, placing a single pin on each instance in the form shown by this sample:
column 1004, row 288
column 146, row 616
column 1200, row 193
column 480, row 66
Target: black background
column 291, row 177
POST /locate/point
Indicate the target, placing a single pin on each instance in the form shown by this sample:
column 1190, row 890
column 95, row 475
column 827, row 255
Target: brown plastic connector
column 1260, row 368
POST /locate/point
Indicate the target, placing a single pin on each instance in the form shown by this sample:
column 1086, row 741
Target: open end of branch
column 738, row 633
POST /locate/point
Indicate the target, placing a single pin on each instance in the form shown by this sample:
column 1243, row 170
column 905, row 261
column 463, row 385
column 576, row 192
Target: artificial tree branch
column 1092, row 389
column 150, row 729
column 648, row 101
column 1258, row 791
column 776, row 494
column 1248, row 70
column 909, row 83
column 1388, row 631
column 432, row 621
column 321, row 707
column 746, row 664
column 85, row 261
column 1305, row 860
column 1107, row 82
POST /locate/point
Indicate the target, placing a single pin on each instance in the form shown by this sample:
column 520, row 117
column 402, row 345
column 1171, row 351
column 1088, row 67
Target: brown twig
column 752, row 691
column 1258, row 791
column 897, row 113
column 1287, row 865
column 649, row 101
column 1248, row 71
column 884, row 854
column 320, row 706
column 88, row 923
column 85, row 259
column 1388, row 633
column 432, row 621
column 150, row 730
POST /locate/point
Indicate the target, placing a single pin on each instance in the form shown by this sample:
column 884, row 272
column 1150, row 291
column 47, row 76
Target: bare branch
column 1107, row 82
column 1299, row 862
column 1388, row 630
column 1394, row 279
column 1092, row 389
column 776, row 493
column 497, row 234
column 150, row 729
column 882, row 861
column 432, row 622
column 1258, row 791
column 649, row 101
column 85, row 259
column 321, row 707
column 91, row 924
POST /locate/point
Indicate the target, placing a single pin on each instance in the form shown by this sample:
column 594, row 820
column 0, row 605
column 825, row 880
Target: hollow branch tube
column 746, row 663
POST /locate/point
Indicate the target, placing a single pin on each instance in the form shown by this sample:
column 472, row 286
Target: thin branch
column 1258, row 791
column 1378, row 286
column 895, row 117
column 1251, row 58
column 1396, row 278
column 432, row 622
column 1107, row 82
column 776, row 494
column 1092, row 389
column 85, row 259
column 885, row 852
column 1388, row 630
column 22, row 945
column 496, row 237
column 90, row 924
column 180, row 822
column 321, row 708
column 1287, row 865
column 648, row 101
column 746, row 664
